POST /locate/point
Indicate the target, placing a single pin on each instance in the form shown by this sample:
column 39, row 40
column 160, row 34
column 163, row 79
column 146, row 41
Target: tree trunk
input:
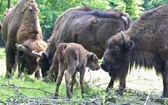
column 9, row 3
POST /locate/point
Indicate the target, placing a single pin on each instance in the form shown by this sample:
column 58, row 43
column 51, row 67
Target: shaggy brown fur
column 143, row 44
column 91, row 28
column 21, row 25
column 73, row 57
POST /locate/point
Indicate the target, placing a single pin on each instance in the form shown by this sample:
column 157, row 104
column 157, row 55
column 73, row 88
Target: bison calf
column 73, row 57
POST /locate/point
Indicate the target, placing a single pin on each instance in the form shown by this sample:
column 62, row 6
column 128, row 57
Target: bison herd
column 80, row 37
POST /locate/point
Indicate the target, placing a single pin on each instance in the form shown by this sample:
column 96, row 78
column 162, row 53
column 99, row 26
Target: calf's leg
column 82, row 73
column 73, row 81
column 59, row 79
column 70, row 71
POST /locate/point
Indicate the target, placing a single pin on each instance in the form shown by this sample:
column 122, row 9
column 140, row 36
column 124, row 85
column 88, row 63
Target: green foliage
column 132, row 7
column 97, row 4
column 150, row 4
column 3, row 6
column 50, row 10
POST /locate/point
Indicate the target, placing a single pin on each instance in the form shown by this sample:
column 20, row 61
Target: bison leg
column 38, row 74
column 110, row 85
column 53, row 72
column 73, row 81
column 122, row 83
column 15, row 64
column 10, row 60
column 59, row 79
column 70, row 71
column 20, row 65
column 165, row 82
column 20, row 69
column 82, row 73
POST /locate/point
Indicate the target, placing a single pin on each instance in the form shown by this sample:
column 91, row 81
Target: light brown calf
column 73, row 57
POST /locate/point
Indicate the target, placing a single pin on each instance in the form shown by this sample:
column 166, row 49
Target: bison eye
column 115, row 50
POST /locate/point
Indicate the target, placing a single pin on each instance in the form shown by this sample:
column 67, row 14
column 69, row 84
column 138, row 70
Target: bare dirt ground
column 137, row 79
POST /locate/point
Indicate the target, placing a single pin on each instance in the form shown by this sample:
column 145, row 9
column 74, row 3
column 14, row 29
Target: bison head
column 92, row 61
column 117, row 54
column 44, row 63
column 27, row 58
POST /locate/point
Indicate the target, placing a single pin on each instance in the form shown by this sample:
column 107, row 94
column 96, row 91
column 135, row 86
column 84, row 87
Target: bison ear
column 129, row 45
column 91, row 56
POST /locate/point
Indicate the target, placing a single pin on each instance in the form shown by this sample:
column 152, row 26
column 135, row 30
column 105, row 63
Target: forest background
column 50, row 10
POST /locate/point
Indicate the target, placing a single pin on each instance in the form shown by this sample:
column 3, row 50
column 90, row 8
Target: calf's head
column 117, row 54
column 92, row 61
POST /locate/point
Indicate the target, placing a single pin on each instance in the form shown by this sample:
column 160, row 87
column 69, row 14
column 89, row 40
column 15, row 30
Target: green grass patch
column 29, row 90
column 2, row 53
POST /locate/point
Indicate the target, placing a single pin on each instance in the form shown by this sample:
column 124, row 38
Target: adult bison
column 145, row 43
column 21, row 27
column 88, row 27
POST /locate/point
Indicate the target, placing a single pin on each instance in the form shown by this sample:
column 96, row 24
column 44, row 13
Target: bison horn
column 125, row 19
column 123, row 37
column 22, row 48
column 36, row 54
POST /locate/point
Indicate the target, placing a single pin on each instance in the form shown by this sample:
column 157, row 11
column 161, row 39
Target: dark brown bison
column 21, row 27
column 73, row 57
column 145, row 43
column 88, row 27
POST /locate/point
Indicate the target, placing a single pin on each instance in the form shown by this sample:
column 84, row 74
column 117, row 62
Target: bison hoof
column 165, row 95
column 56, row 95
column 8, row 75
column 108, row 90
column 83, row 95
column 69, row 96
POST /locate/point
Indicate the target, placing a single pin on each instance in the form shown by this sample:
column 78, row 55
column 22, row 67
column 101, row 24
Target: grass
column 142, row 89
column 2, row 53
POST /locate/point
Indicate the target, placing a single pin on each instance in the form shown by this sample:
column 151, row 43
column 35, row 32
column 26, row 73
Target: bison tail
column 60, row 50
